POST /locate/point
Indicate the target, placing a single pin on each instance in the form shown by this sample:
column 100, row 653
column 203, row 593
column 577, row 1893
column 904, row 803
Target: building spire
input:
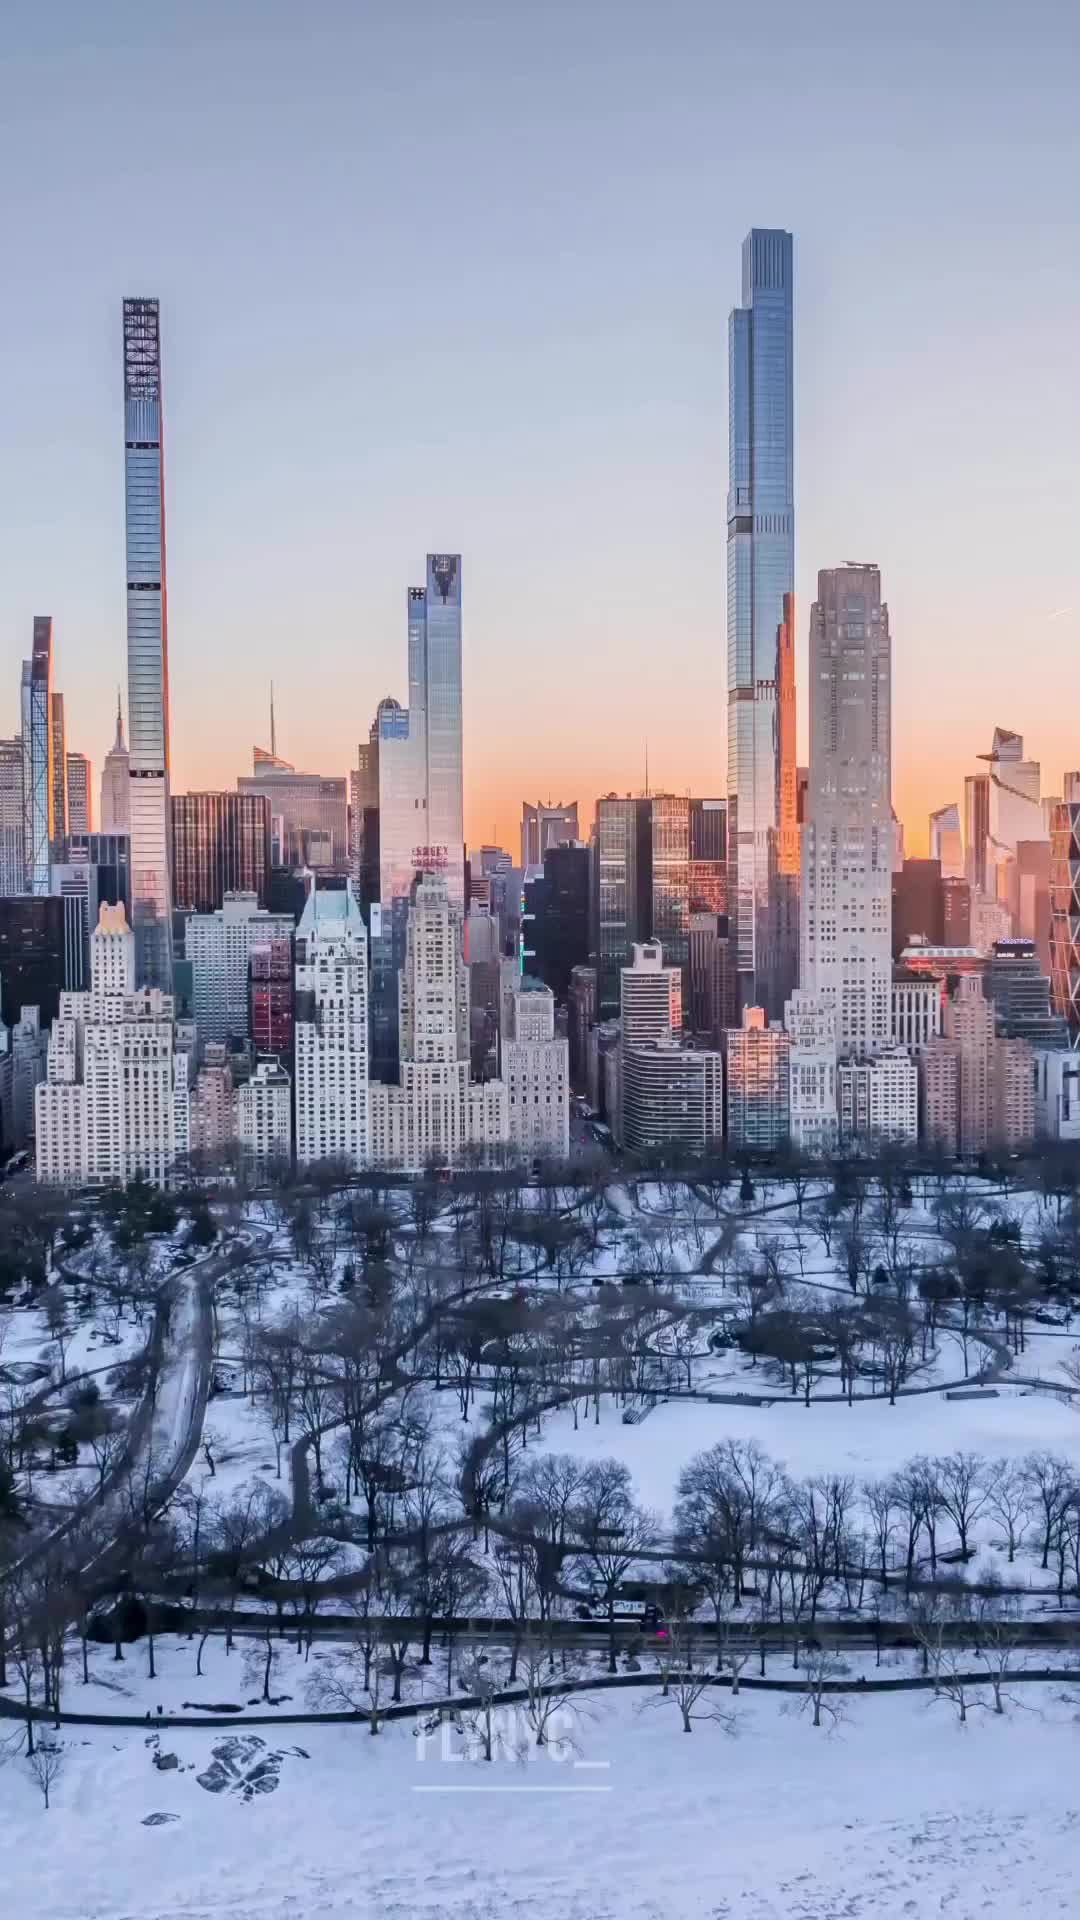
column 118, row 743
column 273, row 729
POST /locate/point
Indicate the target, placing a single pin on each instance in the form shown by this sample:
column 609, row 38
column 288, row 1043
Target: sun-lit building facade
column 147, row 647
column 760, row 578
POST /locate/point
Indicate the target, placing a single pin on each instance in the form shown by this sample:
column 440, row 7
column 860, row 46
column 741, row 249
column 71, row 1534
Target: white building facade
column 536, row 1073
column 331, row 1032
column 878, row 1098
column 433, row 1113
column 263, row 1116
column 810, row 1022
column 115, row 1104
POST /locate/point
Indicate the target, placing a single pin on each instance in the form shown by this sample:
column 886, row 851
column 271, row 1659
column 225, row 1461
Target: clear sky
column 458, row 276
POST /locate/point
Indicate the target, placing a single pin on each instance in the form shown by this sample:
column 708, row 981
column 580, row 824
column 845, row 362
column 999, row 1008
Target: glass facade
column 31, row 956
column 37, row 739
column 58, row 794
column 621, row 890
column 12, row 824
column 760, row 573
column 148, row 653
column 671, row 878
column 439, row 690
column 1065, row 907
column 311, row 811
column 221, row 844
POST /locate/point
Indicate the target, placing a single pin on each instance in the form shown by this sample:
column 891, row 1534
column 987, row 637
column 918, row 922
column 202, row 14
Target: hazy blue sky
column 458, row 277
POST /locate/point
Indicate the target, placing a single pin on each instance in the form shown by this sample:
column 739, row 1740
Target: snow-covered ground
column 868, row 1438
column 899, row 1815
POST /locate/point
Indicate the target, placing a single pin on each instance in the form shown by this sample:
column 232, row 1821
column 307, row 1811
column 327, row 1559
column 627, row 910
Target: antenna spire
column 273, row 729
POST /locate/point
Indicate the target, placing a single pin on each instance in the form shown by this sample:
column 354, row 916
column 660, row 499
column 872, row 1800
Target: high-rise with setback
column 760, row 581
column 148, row 652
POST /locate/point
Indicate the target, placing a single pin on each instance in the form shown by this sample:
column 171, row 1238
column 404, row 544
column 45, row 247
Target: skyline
column 562, row 421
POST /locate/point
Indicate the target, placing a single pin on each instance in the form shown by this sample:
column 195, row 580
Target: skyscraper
column 116, row 782
column 760, row 574
column 331, row 1033
column 976, row 827
column 621, row 890
column 946, row 841
column 421, row 803
column 308, row 813
column 219, row 946
column 37, row 748
column 148, row 651
column 12, row 821
column 80, row 794
column 544, row 826
column 435, row 691
column 847, row 843
column 58, row 797
column 1015, row 810
column 221, row 844
column 433, row 1113
column 1065, row 906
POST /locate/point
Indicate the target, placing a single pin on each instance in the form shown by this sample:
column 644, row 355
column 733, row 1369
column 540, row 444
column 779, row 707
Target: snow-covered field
column 901, row 1813
column 865, row 1439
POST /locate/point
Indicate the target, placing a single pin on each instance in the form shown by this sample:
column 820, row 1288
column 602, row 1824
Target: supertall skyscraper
column 435, row 690
column 421, row 802
column 845, row 952
column 148, row 651
column 760, row 574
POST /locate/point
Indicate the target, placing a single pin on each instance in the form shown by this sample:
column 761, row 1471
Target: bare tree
column 485, row 1729
column 822, row 1671
column 46, row 1764
column 962, row 1491
column 260, row 1656
column 613, row 1533
column 686, row 1682
column 1008, row 1501
column 999, row 1628
column 1049, row 1481
column 550, row 1704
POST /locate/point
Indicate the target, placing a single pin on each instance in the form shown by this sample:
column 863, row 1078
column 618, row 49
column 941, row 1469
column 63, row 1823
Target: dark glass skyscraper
column 622, row 908
column 221, row 844
column 148, row 651
column 760, row 573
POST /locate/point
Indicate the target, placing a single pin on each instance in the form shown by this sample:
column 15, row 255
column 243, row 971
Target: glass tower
column 148, row 651
column 37, row 753
column 760, row 573
column 435, row 691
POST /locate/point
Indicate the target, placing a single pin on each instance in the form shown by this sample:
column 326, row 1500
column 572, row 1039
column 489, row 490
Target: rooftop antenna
column 273, row 729
column 646, row 767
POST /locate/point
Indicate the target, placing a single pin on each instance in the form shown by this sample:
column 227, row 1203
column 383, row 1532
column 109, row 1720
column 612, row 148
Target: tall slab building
column 148, row 649
column 435, row 691
column 37, row 758
column 760, row 581
column 845, row 946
